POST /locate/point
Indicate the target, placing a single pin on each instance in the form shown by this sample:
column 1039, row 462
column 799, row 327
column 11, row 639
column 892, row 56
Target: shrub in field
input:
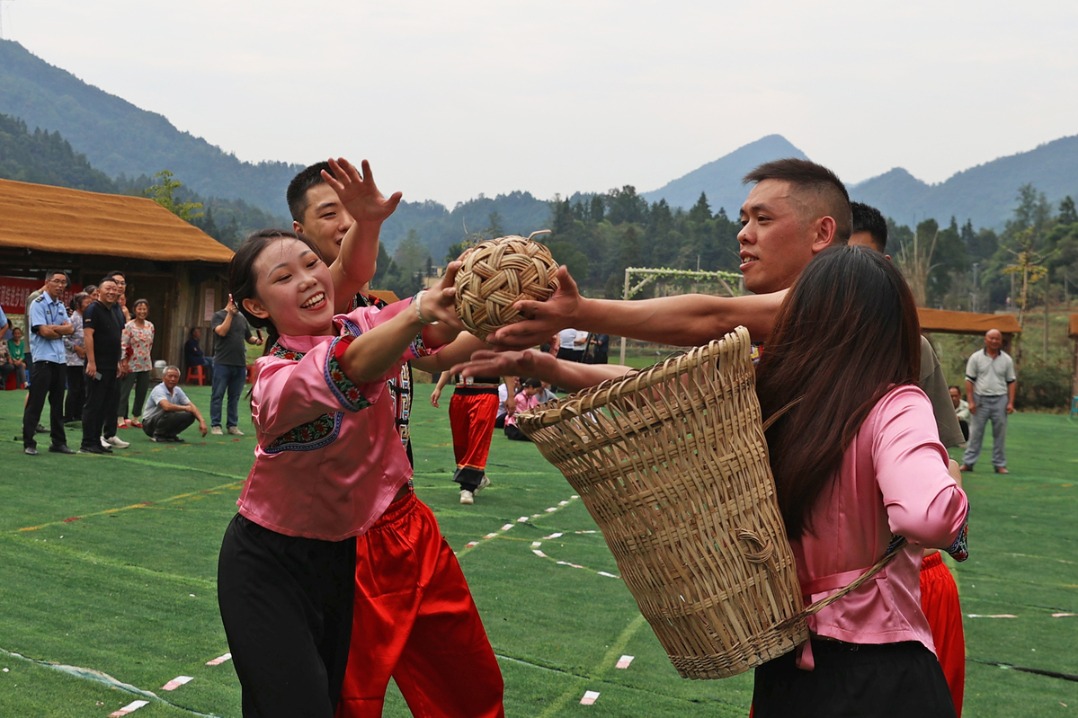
column 1043, row 386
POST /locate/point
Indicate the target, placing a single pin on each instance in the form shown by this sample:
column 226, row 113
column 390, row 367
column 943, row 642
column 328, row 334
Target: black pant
column 286, row 605
column 168, row 423
column 891, row 680
column 99, row 414
column 47, row 380
column 76, row 393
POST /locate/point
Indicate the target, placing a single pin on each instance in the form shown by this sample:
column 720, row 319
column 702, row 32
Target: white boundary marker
column 589, row 698
column 128, row 709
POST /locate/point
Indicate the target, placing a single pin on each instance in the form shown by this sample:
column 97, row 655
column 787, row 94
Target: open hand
column 541, row 319
column 358, row 192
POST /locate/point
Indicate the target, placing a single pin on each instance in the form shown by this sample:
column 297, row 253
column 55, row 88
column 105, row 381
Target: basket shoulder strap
column 778, row 414
column 887, row 557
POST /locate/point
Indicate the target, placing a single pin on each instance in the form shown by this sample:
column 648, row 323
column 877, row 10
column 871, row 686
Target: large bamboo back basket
column 672, row 465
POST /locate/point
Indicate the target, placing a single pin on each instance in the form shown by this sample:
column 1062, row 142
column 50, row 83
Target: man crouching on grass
column 168, row 411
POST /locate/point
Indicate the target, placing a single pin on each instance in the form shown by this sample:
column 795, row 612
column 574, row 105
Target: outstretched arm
column 375, row 351
column 685, row 320
column 354, row 267
column 532, row 362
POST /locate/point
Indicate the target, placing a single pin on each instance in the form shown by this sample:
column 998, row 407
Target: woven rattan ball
column 496, row 274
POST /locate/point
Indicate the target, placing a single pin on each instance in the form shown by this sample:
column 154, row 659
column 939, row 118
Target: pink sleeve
column 923, row 502
column 288, row 393
column 363, row 318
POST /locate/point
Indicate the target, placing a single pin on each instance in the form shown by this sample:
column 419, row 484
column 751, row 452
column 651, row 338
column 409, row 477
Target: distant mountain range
column 120, row 139
column 985, row 194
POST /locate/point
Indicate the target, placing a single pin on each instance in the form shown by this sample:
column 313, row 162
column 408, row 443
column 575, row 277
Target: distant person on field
column 75, row 350
column 473, row 409
column 6, row 367
column 48, row 324
column 137, row 344
column 168, row 411
column 19, row 355
column 990, row 389
column 527, row 399
column 503, row 394
column 571, row 344
column 597, row 348
column 102, row 325
column 194, row 356
column 229, row 365
column 961, row 409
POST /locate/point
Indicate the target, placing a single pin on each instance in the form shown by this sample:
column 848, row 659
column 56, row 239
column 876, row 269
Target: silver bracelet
column 417, row 302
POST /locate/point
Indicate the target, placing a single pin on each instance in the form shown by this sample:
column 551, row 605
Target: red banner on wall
column 15, row 290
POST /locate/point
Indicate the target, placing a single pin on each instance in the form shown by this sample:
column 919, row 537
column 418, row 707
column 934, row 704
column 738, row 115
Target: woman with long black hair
column 857, row 463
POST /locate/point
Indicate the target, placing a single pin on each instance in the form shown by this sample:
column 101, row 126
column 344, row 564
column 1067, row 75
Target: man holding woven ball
column 786, row 223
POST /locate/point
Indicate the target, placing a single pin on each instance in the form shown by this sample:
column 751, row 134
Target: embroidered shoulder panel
column 311, row 436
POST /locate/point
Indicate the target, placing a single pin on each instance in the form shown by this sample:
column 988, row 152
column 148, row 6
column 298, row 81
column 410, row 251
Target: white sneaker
column 235, row 431
column 467, row 497
column 216, row 431
column 116, row 442
column 483, row 483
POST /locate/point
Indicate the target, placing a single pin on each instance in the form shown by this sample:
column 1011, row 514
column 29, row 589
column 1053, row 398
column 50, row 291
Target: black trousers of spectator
column 168, row 424
column 76, row 393
column 47, row 380
column 99, row 414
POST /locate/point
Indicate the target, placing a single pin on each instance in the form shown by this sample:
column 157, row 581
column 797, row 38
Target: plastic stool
column 196, row 375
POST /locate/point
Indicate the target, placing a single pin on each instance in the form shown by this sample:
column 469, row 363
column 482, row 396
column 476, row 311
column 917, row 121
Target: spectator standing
column 48, row 324
column 168, row 411
column 102, row 325
column 136, row 343
column 229, row 365
column 503, row 395
column 571, row 344
column 75, row 354
column 990, row 389
column 16, row 349
column 26, row 319
column 597, row 349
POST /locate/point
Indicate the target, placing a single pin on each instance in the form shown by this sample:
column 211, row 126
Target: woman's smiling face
column 294, row 289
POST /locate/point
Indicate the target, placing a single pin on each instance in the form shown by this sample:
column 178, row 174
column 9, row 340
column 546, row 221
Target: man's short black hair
column 809, row 178
column 296, row 195
column 867, row 218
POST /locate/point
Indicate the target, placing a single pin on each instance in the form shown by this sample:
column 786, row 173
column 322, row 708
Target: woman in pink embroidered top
column 856, row 463
column 328, row 465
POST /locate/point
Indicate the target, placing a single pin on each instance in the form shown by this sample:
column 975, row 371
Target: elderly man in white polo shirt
column 168, row 411
column 990, row 387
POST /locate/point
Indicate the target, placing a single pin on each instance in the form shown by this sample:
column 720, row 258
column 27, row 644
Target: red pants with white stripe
column 939, row 601
column 472, row 417
column 415, row 621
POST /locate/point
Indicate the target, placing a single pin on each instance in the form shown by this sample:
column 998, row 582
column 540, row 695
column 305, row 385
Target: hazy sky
column 450, row 99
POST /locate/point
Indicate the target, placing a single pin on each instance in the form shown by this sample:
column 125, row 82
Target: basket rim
column 598, row 396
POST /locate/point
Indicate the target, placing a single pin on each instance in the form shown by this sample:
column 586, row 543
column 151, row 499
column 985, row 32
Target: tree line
column 1033, row 260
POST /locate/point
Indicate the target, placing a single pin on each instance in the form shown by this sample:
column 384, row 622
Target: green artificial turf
column 108, row 564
